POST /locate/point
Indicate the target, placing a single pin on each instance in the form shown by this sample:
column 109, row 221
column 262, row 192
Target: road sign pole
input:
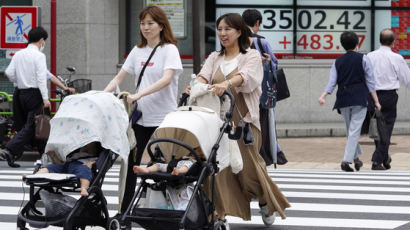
column 53, row 48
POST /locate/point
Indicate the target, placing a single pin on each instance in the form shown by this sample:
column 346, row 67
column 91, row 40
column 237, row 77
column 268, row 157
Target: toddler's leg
column 84, row 186
column 177, row 171
column 83, row 172
column 43, row 170
column 139, row 169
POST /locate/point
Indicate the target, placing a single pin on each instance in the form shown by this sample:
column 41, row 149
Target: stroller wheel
column 114, row 224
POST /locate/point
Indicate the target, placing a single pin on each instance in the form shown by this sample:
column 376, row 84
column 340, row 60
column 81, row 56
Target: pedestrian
column 353, row 75
column 28, row 69
column 389, row 69
column 157, row 93
column 18, row 122
column 270, row 145
column 238, row 69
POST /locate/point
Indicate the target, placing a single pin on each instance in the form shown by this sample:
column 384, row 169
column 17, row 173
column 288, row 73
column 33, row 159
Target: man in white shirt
column 28, row 69
column 17, row 111
column 389, row 69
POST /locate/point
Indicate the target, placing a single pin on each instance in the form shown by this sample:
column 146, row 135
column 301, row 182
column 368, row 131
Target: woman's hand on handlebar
column 133, row 97
column 219, row 89
column 188, row 89
column 199, row 79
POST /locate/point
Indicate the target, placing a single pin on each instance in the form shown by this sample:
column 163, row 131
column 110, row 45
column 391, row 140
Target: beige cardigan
column 251, row 69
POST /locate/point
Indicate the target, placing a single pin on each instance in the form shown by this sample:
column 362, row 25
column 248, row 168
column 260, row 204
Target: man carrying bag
column 28, row 69
column 270, row 149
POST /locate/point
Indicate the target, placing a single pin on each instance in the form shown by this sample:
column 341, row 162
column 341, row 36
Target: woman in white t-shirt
column 157, row 92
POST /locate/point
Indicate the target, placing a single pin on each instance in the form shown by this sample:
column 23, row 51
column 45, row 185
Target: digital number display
column 318, row 30
column 320, row 23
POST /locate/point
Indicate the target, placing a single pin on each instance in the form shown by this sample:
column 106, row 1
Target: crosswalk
column 321, row 200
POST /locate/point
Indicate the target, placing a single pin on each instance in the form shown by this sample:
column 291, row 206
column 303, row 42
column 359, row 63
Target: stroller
column 180, row 131
column 81, row 119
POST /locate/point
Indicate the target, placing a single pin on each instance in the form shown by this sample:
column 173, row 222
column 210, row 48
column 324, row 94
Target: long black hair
column 235, row 21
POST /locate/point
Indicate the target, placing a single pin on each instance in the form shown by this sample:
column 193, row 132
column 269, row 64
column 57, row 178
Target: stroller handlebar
column 228, row 115
column 174, row 141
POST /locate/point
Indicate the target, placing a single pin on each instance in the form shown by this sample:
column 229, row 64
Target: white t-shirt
column 155, row 106
column 228, row 66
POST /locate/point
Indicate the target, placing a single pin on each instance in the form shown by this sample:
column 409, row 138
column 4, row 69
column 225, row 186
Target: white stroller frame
column 176, row 219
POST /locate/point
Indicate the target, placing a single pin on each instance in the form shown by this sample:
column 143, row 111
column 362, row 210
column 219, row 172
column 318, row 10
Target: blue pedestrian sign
column 16, row 22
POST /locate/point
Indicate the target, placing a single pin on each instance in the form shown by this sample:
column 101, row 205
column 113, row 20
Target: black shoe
column 358, row 164
column 346, row 167
column 377, row 166
column 386, row 164
column 5, row 155
column 281, row 158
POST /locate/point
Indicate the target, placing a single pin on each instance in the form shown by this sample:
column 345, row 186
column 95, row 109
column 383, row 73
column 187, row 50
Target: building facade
column 95, row 36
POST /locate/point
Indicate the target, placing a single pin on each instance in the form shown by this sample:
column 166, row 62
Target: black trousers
column 28, row 102
column 388, row 100
column 18, row 114
column 265, row 150
column 142, row 134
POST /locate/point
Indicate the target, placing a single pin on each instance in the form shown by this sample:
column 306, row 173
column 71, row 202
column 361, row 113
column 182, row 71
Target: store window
column 312, row 28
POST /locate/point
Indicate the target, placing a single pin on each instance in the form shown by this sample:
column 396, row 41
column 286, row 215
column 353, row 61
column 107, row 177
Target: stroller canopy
column 88, row 117
column 197, row 127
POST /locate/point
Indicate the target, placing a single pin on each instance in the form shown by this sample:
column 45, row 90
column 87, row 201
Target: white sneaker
column 267, row 220
column 222, row 225
column 226, row 225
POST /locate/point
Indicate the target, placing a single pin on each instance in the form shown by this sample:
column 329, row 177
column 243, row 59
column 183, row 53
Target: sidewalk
column 327, row 152
column 328, row 129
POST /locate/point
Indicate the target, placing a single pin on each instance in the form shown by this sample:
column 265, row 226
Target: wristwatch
column 230, row 83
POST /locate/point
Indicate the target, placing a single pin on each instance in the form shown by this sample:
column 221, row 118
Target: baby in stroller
column 175, row 166
column 166, row 200
column 88, row 133
column 78, row 163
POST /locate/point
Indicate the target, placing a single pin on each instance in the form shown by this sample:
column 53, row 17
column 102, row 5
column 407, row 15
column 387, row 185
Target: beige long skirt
column 234, row 192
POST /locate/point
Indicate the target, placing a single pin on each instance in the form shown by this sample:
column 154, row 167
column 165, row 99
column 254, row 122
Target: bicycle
column 80, row 85
column 7, row 130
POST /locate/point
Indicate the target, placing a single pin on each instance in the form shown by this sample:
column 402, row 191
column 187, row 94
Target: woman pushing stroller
column 157, row 64
column 238, row 69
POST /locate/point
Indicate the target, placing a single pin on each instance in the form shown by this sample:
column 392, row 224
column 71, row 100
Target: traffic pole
column 53, row 47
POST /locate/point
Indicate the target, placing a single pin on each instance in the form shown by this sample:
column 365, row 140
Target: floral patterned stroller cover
column 89, row 117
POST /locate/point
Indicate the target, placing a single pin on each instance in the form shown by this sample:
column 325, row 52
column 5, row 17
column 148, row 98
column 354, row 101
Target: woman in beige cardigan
column 238, row 68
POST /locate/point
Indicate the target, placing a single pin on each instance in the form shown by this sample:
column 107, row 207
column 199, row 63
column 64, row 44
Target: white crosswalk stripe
column 319, row 199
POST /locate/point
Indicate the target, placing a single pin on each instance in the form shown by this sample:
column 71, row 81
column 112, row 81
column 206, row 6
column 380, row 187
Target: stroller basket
column 80, row 85
column 162, row 219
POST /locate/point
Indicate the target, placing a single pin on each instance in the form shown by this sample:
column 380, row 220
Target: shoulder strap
column 260, row 46
column 263, row 51
column 145, row 66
